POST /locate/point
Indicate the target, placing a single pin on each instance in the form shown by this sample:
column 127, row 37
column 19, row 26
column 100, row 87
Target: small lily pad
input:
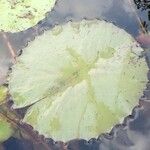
column 19, row 15
column 5, row 128
column 82, row 78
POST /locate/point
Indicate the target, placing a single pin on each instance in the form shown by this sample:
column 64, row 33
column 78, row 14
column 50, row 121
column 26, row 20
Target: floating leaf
column 18, row 15
column 3, row 94
column 81, row 78
column 5, row 128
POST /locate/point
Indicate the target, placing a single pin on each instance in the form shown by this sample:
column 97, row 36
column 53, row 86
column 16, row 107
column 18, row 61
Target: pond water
column 135, row 135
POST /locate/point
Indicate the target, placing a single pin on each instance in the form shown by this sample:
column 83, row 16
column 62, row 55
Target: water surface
column 123, row 13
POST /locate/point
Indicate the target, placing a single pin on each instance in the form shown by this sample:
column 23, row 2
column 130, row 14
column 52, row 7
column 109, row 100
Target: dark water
column 135, row 134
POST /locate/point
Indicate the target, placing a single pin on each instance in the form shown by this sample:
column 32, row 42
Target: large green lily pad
column 82, row 78
column 18, row 15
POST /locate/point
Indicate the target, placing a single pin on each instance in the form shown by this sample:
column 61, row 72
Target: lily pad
column 81, row 79
column 5, row 128
column 18, row 15
column 3, row 94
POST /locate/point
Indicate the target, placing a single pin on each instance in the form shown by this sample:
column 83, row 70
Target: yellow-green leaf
column 5, row 128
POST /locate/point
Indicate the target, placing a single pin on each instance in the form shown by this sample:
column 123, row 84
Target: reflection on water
column 116, row 11
column 135, row 136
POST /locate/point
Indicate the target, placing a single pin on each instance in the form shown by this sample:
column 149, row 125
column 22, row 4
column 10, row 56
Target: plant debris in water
column 142, row 4
column 18, row 15
column 80, row 78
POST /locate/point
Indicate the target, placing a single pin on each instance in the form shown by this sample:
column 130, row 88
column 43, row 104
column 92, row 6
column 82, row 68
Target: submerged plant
column 80, row 79
column 18, row 15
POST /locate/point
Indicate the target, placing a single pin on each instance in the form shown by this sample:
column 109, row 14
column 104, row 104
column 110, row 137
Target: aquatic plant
column 6, row 129
column 79, row 79
column 142, row 4
column 18, row 15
